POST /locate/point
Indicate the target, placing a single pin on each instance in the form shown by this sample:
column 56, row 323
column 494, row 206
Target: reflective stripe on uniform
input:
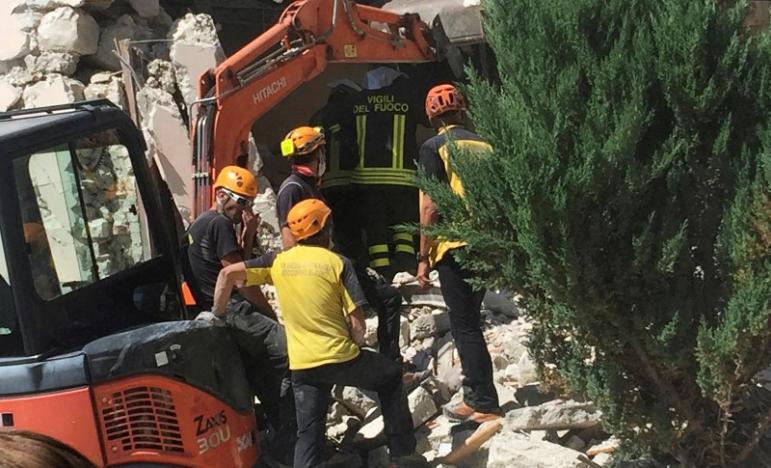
column 378, row 249
column 403, row 236
column 361, row 136
column 404, row 248
column 379, row 262
column 397, row 141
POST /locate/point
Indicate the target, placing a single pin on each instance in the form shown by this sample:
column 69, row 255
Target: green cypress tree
column 628, row 198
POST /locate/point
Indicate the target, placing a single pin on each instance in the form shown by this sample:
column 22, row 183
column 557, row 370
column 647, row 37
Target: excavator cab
column 93, row 351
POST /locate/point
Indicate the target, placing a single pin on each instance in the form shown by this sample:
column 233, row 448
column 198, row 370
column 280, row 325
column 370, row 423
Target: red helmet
column 444, row 98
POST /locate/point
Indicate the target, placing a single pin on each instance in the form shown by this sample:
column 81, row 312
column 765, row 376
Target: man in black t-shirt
column 214, row 244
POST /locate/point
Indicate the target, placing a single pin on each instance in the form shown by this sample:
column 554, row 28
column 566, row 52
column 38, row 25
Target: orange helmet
column 307, row 218
column 238, row 180
column 444, row 98
column 302, row 141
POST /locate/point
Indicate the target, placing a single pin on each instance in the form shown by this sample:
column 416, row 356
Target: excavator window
column 80, row 213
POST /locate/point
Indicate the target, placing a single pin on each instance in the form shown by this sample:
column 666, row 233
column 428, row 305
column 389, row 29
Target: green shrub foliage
column 628, row 199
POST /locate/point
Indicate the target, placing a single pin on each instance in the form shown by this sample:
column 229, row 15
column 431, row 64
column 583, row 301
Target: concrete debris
column 104, row 56
column 195, row 48
column 370, row 334
column 10, row 95
column 423, row 327
column 422, row 406
column 55, row 89
column 112, row 90
column 69, row 30
column 63, row 63
column 557, row 414
column 354, row 400
column 161, row 75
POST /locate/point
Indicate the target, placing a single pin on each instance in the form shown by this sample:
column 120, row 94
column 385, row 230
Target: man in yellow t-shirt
column 321, row 301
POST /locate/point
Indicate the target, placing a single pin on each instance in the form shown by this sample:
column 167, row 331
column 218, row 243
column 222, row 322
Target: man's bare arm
column 228, row 278
column 357, row 326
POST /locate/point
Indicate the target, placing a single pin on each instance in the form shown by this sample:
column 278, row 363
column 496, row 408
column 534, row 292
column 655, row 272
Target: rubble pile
column 538, row 429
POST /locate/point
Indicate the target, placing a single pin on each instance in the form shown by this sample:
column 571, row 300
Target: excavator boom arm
column 309, row 35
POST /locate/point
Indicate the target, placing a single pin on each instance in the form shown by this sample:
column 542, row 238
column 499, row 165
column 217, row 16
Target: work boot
column 415, row 460
column 461, row 412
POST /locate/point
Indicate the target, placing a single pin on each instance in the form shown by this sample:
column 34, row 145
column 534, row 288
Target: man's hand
column 423, row 271
column 250, row 220
column 207, row 316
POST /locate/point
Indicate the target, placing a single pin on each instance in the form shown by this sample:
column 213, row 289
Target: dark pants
column 389, row 249
column 262, row 343
column 369, row 371
column 387, row 301
column 464, row 304
column 346, row 212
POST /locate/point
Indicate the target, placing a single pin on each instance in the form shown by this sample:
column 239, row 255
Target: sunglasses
column 242, row 201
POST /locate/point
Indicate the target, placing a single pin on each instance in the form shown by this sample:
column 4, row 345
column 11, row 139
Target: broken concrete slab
column 422, row 406
column 557, row 415
column 66, row 29
column 195, row 48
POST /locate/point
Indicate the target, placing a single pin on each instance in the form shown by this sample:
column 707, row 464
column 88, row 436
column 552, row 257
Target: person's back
column 386, row 122
column 311, row 287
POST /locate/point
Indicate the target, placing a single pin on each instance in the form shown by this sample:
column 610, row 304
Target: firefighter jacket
column 386, row 120
column 336, row 118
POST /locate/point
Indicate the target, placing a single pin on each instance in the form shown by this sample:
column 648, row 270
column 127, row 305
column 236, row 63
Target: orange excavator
column 310, row 35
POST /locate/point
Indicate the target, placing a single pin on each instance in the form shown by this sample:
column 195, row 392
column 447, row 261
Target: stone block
column 422, row 406
column 354, row 400
column 556, row 415
column 510, row 450
column 56, row 89
column 9, row 96
column 63, row 63
column 68, row 30
column 423, row 327
column 195, row 48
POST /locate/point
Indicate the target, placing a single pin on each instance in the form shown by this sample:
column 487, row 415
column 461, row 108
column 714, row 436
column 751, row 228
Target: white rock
column 356, row 401
column 511, row 372
column 423, row 327
column 112, row 90
column 56, row 89
column 19, row 76
column 9, row 95
column 15, row 44
column 146, row 8
column 557, row 415
column 101, row 78
column 370, row 333
column 422, row 406
column 602, row 459
column 526, row 371
column 52, row 62
column 68, row 30
column 510, row 450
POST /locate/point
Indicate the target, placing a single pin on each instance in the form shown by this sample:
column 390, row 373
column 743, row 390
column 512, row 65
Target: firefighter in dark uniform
column 336, row 118
column 386, row 119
